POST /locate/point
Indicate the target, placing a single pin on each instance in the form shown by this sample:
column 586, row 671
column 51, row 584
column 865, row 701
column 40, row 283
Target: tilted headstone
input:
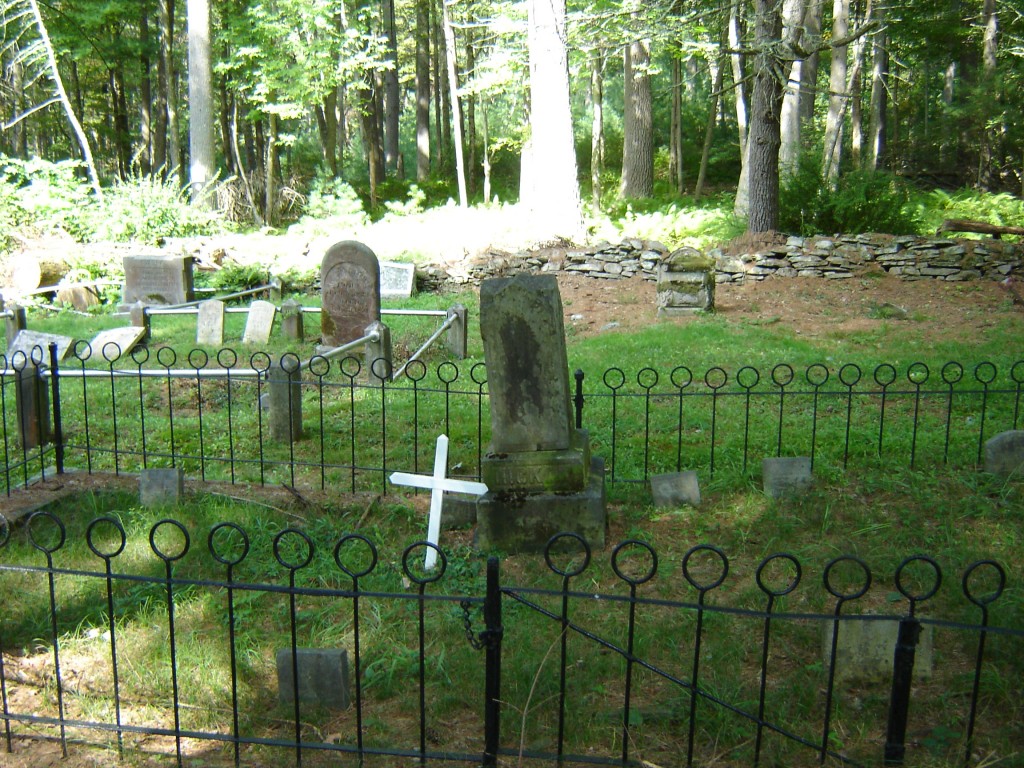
column 123, row 341
column 397, row 280
column 158, row 279
column 210, row 323
column 538, row 467
column 350, row 292
column 864, row 653
column 27, row 340
column 1004, row 453
column 259, row 323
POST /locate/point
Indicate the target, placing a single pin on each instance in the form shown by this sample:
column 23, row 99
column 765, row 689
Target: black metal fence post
column 58, row 427
column 578, row 400
column 492, row 674
column 899, row 701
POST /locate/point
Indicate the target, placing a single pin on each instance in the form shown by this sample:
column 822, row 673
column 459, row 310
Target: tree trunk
column 596, row 128
column 200, row 100
column 173, row 137
column 709, row 131
column 554, row 196
column 163, row 79
column 838, row 95
column 856, row 89
column 638, row 140
column 675, row 149
column 370, row 122
column 470, row 139
column 789, row 154
column 739, row 76
column 145, row 97
column 879, row 93
column 453, row 82
column 422, row 90
column 809, row 67
column 766, row 107
column 270, row 174
column 989, row 137
column 391, row 91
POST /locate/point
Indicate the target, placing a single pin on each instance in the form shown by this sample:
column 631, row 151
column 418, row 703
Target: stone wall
column 910, row 257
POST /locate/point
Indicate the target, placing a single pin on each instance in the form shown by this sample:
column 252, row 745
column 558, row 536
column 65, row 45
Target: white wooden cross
column 438, row 484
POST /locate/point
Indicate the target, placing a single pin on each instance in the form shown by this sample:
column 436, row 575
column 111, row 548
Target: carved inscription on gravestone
column 350, row 292
column 158, row 279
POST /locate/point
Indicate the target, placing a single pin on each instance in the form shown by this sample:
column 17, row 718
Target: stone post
column 140, row 318
column 33, row 405
column 284, row 381
column 15, row 323
column 275, row 289
column 291, row 320
column 457, row 332
column 379, row 364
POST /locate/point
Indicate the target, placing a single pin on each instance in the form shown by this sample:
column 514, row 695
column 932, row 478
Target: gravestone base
column 554, row 471
column 516, row 523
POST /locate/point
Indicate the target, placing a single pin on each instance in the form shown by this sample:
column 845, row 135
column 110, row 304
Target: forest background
column 793, row 115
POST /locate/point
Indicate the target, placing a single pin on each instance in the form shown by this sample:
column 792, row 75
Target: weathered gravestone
column 397, row 280
column 210, row 323
column 686, row 283
column 1004, row 453
column 260, row 322
column 157, row 279
column 538, row 469
column 29, row 342
column 350, row 292
column 115, row 343
column 322, row 677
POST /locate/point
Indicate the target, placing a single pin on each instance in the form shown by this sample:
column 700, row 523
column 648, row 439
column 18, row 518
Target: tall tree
column 838, row 94
column 422, row 89
column 790, row 124
column 765, row 138
column 637, row 122
column 548, row 184
column 879, row 93
column 200, row 99
column 392, row 93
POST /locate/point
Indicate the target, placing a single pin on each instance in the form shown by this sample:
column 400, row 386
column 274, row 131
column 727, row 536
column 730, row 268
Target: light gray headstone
column 676, row 489
column 786, row 476
column 527, row 368
column 27, row 340
column 1004, row 453
column 125, row 340
column 160, row 487
column 397, row 280
column 866, row 649
column 158, row 279
column 260, row 322
column 81, row 297
column 323, row 677
column 350, row 292
column 210, row 323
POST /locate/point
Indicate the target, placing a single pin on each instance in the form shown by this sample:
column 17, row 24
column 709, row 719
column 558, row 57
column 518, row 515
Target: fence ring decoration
column 782, row 375
column 743, row 377
column 884, row 375
column 342, row 544
column 648, row 375
column 434, row 574
column 415, row 370
column 381, row 368
column 918, row 373
column 211, row 544
column 718, row 372
column 682, row 370
column 952, row 372
column 936, row 578
column 834, row 590
column 816, row 375
column 346, row 366
column 62, row 531
column 166, row 556
column 82, row 350
column 985, row 373
column 111, row 352
column 198, row 359
column 611, row 375
column 90, row 534
column 167, row 357
column 557, row 539
column 986, row 600
column 1017, row 372
column 260, row 362
column 448, row 368
column 279, row 555
column 634, row 544
column 37, row 355
column 850, row 375
column 702, row 549
column 482, row 368
column 140, row 355
column 227, row 357
column 319, row 366
column 289, row 362
column 794, row 581
column 19, row 360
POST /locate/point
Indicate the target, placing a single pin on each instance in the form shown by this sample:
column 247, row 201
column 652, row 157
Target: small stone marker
column 161, row 487
column 397, row 280
column 210, row 323
column 686, row 283
column 1004, row 453
column 323, row 677
column 291, row 320
column 125, row 340
column 81, row 297
column 866, row 649
column 676, row 489
column 260, row 322
column 438, row 484
column 786, row 476
column 158, row 279
column 27, row 340
column 350, row 292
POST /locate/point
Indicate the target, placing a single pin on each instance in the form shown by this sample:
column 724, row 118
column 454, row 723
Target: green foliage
column 999, row 209
column 45, row 197
column 862, row 201
column 332, row 203
column 669, row 220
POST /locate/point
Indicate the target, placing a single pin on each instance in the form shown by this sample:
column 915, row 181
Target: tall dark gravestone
column 350, row 292
column 540, row 476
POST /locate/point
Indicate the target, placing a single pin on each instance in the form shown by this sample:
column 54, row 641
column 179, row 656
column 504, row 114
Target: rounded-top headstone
column 350, row 292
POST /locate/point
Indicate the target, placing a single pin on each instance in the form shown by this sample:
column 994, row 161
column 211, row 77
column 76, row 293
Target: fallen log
column 979, row 227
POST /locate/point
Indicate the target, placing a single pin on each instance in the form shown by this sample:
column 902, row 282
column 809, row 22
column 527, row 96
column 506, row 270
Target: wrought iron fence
column 332, row 423
column 633, row 661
